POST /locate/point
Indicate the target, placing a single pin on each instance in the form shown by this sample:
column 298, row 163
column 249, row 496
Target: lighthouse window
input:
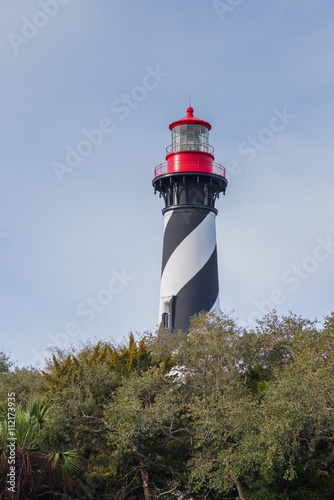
column 190, row 137
column 176, row 137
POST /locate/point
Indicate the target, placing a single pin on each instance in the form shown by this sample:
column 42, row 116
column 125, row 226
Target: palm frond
column 66, row 463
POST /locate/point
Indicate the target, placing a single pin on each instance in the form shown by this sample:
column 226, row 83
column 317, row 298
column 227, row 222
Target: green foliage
column 260, row 405
column 308, row 484
column 295, row 443
column 33, row 461
column 66, row 463
column 79, row 385
column 222, row 412
column 5, row 363
column 147, row 420
column 24, row 382
column 119, row 361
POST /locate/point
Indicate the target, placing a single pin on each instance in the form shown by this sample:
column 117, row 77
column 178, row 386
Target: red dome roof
column 190, row 118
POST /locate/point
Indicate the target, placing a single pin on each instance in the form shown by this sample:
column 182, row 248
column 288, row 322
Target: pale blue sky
column 245, row 65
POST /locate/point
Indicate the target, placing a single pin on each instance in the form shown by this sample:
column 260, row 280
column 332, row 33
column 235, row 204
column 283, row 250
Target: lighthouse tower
column 189, row 181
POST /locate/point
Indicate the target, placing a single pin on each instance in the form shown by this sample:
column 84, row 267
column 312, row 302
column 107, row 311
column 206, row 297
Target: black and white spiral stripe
column 189, row 264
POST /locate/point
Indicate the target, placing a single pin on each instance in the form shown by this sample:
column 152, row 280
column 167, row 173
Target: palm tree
column 33, row 461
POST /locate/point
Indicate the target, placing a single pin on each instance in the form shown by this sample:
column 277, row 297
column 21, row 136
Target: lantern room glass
column 190, row 137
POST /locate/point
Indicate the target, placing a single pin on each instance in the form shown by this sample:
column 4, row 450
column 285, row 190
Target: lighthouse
column 189, row 182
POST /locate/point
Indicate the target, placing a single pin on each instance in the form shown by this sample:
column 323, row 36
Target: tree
column 252, row 411
column 296, row 438
column 33, row 462
column 25, row 382
column 79, row 385
column 222, row 412
column 177, row 425
column 148, row 431
column 5, row 363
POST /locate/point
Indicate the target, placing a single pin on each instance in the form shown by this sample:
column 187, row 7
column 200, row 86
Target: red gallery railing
column 216, row 169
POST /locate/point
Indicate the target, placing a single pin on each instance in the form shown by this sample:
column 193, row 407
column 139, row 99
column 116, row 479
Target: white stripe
column 216, row 306
column 188, row 258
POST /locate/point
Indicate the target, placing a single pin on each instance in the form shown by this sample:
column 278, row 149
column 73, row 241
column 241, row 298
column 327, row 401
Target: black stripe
column 179, row 226
column 200, row 293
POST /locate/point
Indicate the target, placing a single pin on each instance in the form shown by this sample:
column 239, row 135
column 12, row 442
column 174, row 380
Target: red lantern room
column 190, row 135
column 191, row 156
column 190, row 149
